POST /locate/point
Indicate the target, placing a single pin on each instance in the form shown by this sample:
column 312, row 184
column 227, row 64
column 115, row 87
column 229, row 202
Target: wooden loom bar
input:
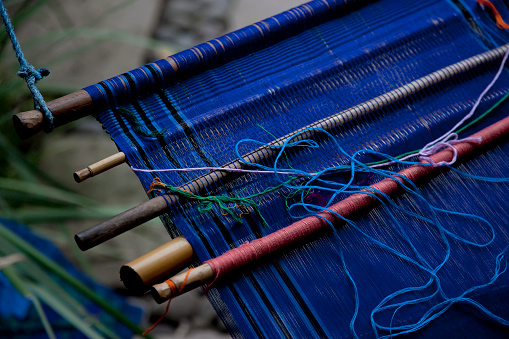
column 140, row 274
column 68, row 108
column 100, row 167
column 277, row 242
column 79, row 104
column 157, row 206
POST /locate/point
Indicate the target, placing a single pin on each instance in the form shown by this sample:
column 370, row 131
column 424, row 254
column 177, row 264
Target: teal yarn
column 429, row 295
column 28, row 72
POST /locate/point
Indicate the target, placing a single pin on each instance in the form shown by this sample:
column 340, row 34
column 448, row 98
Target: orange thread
column 498, row 18
column 223, row 212
column 148, row 330
column 174, row 293
column 244, row 213
column 154, row 183
column 185, row 281
column 157, row 182
column 172, row 287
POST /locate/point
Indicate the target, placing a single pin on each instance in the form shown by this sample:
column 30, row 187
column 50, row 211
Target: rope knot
column 29, row 72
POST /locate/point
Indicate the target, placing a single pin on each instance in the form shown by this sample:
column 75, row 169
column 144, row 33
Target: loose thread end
column 174, row 292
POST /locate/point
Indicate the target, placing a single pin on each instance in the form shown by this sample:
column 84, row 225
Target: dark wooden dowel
column 65, row 109
column 122, row 223
column 152, row 208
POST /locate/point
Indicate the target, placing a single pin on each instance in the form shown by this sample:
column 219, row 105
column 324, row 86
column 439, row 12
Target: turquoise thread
column 428, row 214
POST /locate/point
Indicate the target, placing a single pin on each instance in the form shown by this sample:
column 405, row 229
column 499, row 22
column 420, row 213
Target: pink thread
column 315, row 199
column 288, row 237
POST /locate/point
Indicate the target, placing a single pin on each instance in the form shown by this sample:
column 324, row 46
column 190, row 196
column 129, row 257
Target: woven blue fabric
column 276, row 76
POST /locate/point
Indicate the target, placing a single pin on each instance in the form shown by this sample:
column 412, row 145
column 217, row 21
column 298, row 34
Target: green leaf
column 48, row 264
column 41, row 191
column 65, row 312
column 42, row 316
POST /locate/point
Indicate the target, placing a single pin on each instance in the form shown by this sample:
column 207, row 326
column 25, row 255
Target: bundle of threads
column 314, row 192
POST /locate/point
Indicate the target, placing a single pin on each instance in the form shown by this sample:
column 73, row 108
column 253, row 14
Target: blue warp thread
column 28, row 72
column 437, row 296
column 290, row 71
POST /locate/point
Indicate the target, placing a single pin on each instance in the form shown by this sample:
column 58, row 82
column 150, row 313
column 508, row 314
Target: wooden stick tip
column 132, row 280
column 82, row 175
column 161, row 292
column 28, row 123
column 83, row 245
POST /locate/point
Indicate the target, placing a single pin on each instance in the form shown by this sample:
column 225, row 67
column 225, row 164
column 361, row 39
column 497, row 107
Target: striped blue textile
column 276, row 76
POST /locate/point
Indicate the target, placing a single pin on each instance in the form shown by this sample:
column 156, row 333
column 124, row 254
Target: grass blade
column 65, row 312
column 47, row 263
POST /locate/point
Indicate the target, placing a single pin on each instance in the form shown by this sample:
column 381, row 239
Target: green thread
column 223, row 202
column 484, row 114
column 471, row 123
column 131, row 117
column 229, row 204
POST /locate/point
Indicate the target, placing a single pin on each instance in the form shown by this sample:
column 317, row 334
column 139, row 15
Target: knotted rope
column 28, row 72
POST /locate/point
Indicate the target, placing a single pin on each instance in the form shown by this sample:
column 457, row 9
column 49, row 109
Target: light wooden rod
column 198, row 276
column 100, row 167
column 140, row 274
column 157, row 206
column 286, row 239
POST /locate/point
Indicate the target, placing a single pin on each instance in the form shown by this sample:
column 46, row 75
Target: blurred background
column 83, row 42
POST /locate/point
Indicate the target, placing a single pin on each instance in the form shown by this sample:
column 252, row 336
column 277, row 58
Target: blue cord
column 28, row 72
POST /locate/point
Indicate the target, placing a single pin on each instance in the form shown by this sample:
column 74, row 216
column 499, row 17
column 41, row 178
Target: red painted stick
column 288, row 237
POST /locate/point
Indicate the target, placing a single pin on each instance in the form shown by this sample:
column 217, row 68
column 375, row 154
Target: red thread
column 315, row 199
column 498, row 18
column 287, row 237
column 174, row 294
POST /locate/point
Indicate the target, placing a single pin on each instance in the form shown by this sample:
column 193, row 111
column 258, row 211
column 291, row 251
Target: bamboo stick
column 198, row 276
column 290, row 236
column 157, row 206
column 68, row 108
column 140, row 274
column 100, row 167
